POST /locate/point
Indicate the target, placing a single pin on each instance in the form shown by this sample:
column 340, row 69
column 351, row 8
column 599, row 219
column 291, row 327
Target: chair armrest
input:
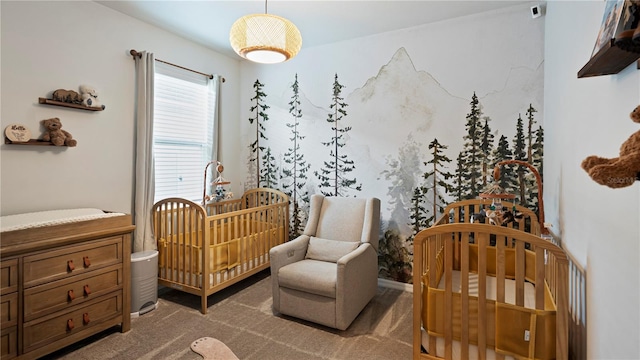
column 352, row 265
column 285, row 254
column 357, row 282
column 289, row 252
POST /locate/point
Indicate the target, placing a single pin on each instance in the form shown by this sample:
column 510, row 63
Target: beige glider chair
column 330, row 273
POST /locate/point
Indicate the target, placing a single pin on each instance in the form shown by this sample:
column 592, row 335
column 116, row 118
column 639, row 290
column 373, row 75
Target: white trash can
column 144, row 282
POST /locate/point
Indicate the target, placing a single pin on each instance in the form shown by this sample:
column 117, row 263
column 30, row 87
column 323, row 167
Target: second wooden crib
column 486, row 291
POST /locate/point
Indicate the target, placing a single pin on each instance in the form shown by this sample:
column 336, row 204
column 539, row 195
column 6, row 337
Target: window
column 183, row 131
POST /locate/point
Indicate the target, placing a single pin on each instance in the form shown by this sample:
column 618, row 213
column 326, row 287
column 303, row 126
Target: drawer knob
column 87, row 291
column 85, row 318
column 70, row 265
column 86, row 261
column 71, row 295
column 70, row 325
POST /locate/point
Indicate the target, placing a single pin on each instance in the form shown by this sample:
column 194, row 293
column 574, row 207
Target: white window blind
column 183, row 131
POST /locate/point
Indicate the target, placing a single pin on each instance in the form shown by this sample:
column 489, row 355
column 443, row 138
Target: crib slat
column 562, row 317
column 540, row 278
column 520, row 268
column 483, row 240
column 432, row 276
column 448, row 298
column 418, row 307
column 464, row 291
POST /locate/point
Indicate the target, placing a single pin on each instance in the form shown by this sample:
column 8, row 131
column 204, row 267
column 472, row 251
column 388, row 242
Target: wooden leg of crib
column 203, row 304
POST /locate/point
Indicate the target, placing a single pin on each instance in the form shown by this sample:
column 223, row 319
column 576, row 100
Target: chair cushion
column 329, row 250
column 312, row 276
column 341, row 218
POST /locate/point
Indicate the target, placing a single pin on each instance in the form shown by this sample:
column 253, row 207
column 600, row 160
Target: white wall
column 48, row 45
column 599, row 225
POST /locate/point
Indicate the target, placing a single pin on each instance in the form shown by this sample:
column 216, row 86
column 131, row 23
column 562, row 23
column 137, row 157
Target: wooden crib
column 236, row 236
column 485, row 291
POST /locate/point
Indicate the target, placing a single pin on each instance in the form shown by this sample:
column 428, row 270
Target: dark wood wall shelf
column 36, row 142
column 608, row 61
column 69, row 105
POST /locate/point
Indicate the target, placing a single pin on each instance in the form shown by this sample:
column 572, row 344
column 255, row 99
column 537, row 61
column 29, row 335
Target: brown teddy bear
column 622, row 171
column 55, row 134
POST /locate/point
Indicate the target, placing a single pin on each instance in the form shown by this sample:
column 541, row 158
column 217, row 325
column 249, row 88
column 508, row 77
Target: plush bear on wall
column 56, row 135
column 623, row 170
column 90, row 97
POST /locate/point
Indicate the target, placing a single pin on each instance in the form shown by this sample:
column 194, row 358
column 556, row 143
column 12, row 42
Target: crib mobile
column 496, row 214
column 220, row 193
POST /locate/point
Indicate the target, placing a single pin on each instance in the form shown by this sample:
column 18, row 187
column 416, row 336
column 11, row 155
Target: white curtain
column 144, row 181
column 214, row 91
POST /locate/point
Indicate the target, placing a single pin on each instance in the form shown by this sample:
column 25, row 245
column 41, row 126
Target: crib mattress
column 51, row 217
column 492, row 286
column 491, row 290
column 216, row 277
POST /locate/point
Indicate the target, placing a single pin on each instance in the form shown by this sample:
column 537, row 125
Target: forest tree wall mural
column 400, row 134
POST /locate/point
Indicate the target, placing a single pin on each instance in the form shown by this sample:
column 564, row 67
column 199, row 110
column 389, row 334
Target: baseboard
column 395, row 285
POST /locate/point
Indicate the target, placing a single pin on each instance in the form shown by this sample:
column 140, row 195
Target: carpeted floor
column 241, row 317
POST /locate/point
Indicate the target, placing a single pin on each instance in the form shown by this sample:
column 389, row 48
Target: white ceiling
column 320, row 22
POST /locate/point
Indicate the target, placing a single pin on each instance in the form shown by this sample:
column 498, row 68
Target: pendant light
column 265, row 38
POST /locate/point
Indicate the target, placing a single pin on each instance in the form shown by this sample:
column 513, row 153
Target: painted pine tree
column 486, row 147
column 500, row 153
column 537, row 159
column 268, row 170
column 294, row 172
column 531, row 187
column 436, row 180
column 417, row 213
column 472, row 148
column 520, row 153
column 458, row 188
column 333, row 176
column 258, row 109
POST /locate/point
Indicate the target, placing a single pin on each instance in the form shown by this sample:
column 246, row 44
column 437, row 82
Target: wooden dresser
column 60, row 284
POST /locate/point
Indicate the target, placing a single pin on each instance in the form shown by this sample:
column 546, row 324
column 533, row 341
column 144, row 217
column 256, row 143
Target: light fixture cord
column 265, row 6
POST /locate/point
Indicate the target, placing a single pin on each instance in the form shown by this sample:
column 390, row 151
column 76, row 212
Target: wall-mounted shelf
column 607, row 61
column 69, row 105
column 36, row 142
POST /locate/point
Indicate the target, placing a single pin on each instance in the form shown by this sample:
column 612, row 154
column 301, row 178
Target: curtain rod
column 134, row 53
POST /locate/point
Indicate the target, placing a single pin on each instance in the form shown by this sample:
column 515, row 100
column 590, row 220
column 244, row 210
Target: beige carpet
column 241, row 317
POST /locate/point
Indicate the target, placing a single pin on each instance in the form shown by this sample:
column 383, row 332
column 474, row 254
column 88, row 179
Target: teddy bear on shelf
column 623, row 170
column 56, row 135
column 90, row 97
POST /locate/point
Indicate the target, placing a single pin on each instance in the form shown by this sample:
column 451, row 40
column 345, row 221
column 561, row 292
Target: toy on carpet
column 90, row 97
column 623, row 170
column 56, row 135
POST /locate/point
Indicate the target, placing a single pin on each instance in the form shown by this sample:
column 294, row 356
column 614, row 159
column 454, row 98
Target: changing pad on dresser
column 51, row 217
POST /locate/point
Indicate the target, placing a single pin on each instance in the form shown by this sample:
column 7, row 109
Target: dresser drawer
column 52, row 328
column 9, row 310
column 69, row 261
column 9, row 343
column 61, row 294
column 8, row 276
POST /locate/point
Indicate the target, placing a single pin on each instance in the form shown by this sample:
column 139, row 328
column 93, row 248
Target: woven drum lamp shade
column 265, row 38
